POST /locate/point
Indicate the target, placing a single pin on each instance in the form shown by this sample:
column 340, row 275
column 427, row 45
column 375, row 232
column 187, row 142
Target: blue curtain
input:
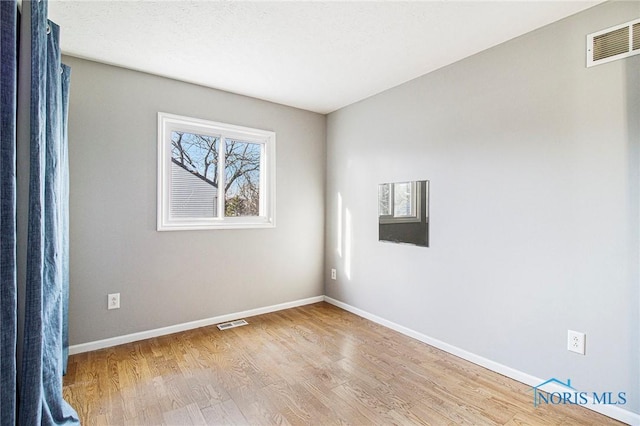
column 8, row 304
column 35, row 397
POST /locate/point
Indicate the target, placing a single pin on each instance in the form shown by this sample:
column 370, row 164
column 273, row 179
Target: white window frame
column 168, row 123
column 414, row 215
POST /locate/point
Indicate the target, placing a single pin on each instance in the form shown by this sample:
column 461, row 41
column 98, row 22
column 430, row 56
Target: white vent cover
column 613, row 43
column 232, row 324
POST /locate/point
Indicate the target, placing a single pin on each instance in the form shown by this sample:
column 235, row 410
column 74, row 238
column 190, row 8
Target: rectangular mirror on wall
column 403, row 212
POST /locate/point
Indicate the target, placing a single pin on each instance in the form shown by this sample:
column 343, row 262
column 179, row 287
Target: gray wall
column 168, row 278
column 533, row 165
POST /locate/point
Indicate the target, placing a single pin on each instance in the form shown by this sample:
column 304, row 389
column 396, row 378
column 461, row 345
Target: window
column 214, row 175
column 398, row 202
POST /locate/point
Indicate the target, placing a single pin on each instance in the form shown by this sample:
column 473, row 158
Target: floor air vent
column 613, row 43
column 232, row 324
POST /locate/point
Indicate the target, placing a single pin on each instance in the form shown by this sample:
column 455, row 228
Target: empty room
column 319, row 212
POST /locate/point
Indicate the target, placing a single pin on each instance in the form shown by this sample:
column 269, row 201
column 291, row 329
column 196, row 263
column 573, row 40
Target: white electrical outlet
column 576, row 342
column 333, row 274
column 113, row 301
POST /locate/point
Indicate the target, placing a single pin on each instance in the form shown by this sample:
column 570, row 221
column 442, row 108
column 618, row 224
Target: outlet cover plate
column 113, row 301
column 576, row 342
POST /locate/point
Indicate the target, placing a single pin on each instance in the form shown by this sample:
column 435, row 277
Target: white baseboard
column 608, row 410
column 134, row 337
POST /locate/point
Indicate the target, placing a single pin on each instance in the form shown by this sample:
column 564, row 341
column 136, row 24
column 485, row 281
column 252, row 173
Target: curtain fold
column 46, row 276
column 47, row 257
column 8, row 273
column 64, row 210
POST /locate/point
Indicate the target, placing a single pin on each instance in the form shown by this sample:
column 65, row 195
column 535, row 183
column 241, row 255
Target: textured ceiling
column 316, row 55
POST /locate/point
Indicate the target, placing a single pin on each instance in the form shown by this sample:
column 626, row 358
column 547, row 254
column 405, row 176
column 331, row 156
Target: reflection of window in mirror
column 399, row 202
column 384, row 199
column 403, row 212
column 404, row 199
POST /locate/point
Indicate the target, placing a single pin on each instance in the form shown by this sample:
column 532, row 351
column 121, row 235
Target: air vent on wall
column 613, row 43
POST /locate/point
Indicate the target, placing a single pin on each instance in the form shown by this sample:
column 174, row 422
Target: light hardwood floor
column 316, row 364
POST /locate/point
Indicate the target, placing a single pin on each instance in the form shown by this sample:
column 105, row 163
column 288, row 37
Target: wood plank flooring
column 316, row 364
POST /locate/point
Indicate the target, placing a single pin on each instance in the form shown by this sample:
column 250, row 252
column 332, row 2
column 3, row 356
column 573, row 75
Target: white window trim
column 415, row 214
column 170, row 122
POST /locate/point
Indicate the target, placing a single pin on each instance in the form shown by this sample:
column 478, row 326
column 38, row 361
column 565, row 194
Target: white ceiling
column 315, row 55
